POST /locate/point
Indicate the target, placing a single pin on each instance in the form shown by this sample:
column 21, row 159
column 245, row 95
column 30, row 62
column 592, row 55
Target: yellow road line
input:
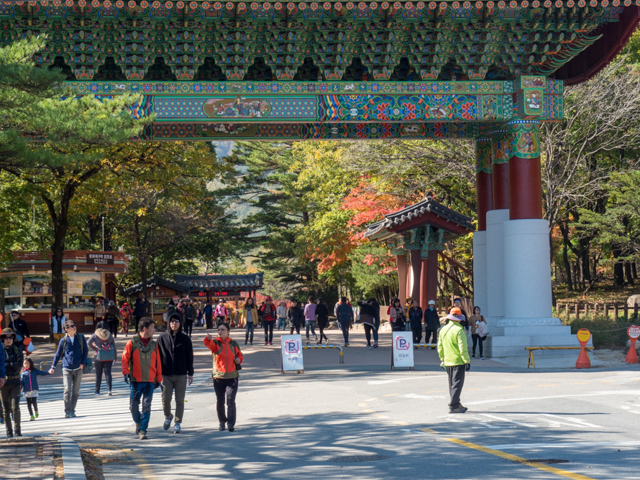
column 141, row 463
column 428, row 430
column 367, row 411
column 607, row 381
column 402, row 423
column 362, row 404
column 523, row 461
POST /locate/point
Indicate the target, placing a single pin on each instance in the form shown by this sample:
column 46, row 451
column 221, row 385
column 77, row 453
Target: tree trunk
column 628, row 273
column 618, row 269
column 565, row 254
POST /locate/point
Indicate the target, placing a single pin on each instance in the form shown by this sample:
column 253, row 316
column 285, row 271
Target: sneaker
column 109, row 393
column 18, row 432
column 142, row 435
column 231, row 428
column 459, row 409
column 9, row 434
column 473, row 355
column 369, row 347
column 137, row 428
column 375, row 345
column 32, row 418
column 176, row 428
column 221, row 427
column 346, row 344
column 167, row 422
column 67, row 415
column 245, row 342
column 73, row 414
column 266, row 343
column 37, row 414
column 97, row 393
column 481, row 358
column 270, row 343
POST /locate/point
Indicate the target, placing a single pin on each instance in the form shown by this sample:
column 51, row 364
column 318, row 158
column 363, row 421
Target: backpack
column 87, row 367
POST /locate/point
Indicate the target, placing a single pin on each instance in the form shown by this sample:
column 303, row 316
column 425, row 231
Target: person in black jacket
column 431, row 324
column 176, row 358
column 20, row 328
column 10, row 391
column 295, row 315
column 322, row 313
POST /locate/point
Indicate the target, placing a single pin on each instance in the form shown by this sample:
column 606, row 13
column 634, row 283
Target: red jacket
column 224, row 353
column 142, row 363
column 269, row 311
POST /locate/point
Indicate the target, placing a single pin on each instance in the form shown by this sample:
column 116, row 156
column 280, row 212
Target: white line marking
column 422, row 397
column 502, row 419
column 520, row 399
column 581, row 423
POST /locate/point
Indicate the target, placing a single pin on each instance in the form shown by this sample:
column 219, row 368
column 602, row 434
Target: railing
column 531, row 361
column 566, row 310
column 318, row 347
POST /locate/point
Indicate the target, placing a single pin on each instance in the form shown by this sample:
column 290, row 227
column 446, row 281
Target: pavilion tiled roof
column 229, row 282
column 157, row 281
column 428, row 205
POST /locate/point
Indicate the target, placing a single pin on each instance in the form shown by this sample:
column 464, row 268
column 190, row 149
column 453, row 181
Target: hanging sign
column 292, row 353
column 402, row 355
column 94, row 258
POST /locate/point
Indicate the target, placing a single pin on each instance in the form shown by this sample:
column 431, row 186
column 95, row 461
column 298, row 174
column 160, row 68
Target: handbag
column 88, row 366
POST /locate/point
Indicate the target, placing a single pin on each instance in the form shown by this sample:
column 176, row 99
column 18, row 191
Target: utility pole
column 103, row 233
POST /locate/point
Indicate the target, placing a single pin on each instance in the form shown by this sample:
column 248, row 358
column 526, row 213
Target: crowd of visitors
column 148, row 364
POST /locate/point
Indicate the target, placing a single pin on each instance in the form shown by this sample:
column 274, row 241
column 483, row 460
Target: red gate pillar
column 484, row 187
column 401, row 264
column 432, row 277
column 501, row 153
column 416, row 269
column 424, row 282
column 527, row 272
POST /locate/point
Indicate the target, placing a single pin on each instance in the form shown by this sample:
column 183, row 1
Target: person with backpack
column 104, row 346
column 142, row 370
column 344, row 314
column 227, row 360
column 10, row 391
column 176, row 358
column 73, row 352
column 29, row 383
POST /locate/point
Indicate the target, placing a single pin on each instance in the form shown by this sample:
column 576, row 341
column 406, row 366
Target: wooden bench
column 531, row 361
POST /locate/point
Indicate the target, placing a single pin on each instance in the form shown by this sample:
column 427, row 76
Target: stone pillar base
column 480, row 271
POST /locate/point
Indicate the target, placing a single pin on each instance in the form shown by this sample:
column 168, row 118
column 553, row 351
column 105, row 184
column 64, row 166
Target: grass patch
column 606, row 332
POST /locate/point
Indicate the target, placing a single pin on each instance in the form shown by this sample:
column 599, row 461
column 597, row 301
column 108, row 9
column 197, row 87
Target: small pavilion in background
column 416, row 234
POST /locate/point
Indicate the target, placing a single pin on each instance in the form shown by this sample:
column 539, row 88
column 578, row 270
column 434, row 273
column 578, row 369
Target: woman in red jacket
column 226, row 363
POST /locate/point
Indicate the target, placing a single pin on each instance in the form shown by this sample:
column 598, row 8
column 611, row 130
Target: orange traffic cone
column 583, row 359
column 632, row 356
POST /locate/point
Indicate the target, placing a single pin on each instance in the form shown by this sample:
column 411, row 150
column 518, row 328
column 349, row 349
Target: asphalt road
column 361, row 420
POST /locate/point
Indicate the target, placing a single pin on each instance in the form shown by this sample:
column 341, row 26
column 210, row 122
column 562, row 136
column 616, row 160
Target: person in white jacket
column 479, row 331
column 281, row 313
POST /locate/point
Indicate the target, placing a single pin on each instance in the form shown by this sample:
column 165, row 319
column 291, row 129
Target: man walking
column 454, row 354
column 189, row 317
column 10, row 391
column 208, row 315
column 344, row 314
column 139, row 310
column 176, row 358
column 142, row 369
column 310, row 318
column 73, row 351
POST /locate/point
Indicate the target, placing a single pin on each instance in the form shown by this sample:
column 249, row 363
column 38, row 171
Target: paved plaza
column 360, row 420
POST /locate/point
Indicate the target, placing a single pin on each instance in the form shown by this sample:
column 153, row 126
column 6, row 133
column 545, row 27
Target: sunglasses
column 174, row 320
column 71, row 326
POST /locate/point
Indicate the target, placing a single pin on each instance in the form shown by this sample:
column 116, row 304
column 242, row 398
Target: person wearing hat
column 19, row 327
column 10, row 391
column 454, row 355
column 268, row 312
column 431, row 324
column 221, row 313
column 125, row 315
column 176, row 359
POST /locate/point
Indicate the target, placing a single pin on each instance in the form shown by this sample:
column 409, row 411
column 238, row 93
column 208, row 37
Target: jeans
column 407, row 326
column 282, row 323
column 248, row 336
column 169, row 384
column 11, row 404
column 141, row 391
column 106, row 368
column 268, row 330
column 188, row 326
column 72, row 379
column 345, row 331
column 367, row 333
column 431, row 334
column 456, row 382
column 226, row 389
column 310, row 324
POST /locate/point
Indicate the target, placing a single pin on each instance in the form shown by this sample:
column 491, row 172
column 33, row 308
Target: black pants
column 209, row 320
column 368, row 329
column 268, row 330
column 11, row 405
column 296, row 327
column 32, row 405
column 456, row 382
column 416, row 328
column 219, row 320
column 106, row 368
column 226, row 389
column 113, row 327
column 431, row 335
column 321, row 326
column 477, row 340
column 188, row 326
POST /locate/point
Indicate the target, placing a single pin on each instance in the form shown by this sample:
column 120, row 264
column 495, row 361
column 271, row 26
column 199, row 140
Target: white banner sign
column 403, row 349
column 292, row 353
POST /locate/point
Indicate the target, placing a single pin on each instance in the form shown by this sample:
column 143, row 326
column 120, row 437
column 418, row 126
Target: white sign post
column 291, row 358
column 402, row 354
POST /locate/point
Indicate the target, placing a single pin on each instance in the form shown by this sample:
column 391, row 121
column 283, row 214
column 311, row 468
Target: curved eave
column 614, row 37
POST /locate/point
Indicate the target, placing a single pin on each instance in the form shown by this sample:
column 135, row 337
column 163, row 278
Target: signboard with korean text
column 292, row 353
column 99, row 258
column 402, row 350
